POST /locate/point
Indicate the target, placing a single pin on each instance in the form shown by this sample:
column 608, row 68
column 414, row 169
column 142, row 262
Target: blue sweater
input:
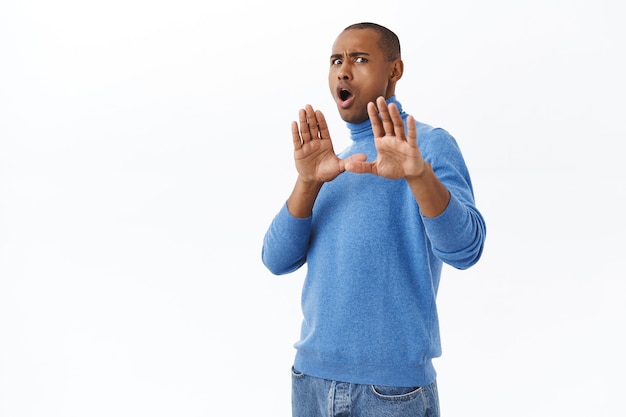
column 374, row 264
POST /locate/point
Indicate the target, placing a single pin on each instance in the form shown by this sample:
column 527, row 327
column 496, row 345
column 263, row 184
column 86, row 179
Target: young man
column 374, row 224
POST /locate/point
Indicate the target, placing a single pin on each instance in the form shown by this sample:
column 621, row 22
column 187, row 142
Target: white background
column 145, row 147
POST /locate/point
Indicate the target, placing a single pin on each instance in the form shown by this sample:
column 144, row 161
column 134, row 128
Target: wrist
column 420, row 174
column 300, row 202
column 308, row 184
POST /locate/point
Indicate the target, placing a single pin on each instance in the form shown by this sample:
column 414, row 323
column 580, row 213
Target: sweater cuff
column 450, row 231
column 292, row 224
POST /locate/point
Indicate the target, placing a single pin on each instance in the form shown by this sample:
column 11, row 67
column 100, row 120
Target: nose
column 344, row 72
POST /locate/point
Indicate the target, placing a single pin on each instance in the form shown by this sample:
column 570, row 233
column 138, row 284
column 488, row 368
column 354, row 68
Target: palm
column 313, row 149
column 316, row 160
column 396, row 158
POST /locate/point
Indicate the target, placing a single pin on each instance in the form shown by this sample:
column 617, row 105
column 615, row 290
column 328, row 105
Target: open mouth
column 344, row 94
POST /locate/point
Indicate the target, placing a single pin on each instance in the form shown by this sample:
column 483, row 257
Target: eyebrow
column 351, row 54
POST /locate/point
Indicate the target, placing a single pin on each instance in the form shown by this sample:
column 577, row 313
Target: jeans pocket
column 395, row 393
column 295, row 373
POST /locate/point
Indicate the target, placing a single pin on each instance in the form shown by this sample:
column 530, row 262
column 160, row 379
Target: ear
column 397, row 69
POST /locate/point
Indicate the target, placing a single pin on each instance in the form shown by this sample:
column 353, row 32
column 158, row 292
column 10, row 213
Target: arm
column 286, row 242
column 440, row 186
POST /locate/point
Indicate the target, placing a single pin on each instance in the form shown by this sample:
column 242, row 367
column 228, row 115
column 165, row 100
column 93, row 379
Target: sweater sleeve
column 286, row 242
column 458, row 234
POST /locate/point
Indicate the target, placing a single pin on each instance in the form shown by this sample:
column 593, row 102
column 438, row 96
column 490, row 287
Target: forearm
column 431, row 195
column 300, row 202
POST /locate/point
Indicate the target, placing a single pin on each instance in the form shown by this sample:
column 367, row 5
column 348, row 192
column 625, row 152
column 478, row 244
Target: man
column 374, row 224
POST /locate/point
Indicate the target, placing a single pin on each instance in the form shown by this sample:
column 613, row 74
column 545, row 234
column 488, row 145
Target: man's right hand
column 315, row 158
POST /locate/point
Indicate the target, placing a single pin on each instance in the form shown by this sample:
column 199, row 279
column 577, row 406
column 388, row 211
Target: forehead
column 357, row 40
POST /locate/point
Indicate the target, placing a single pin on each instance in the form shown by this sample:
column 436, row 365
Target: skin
column 358, row 64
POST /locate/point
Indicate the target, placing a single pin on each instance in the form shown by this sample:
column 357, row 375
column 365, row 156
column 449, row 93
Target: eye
column 337, row 61
column 360, row 60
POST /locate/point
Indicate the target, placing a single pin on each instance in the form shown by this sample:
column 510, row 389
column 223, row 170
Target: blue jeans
column 315, row 397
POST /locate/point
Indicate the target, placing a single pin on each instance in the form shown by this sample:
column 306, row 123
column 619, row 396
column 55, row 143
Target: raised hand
column 314, row 155
column 398, row 153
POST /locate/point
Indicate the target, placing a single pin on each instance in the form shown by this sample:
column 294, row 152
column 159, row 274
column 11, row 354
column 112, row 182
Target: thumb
column 357, row 163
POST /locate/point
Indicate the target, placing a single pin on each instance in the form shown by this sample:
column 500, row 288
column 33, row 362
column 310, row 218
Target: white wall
column 145, row 147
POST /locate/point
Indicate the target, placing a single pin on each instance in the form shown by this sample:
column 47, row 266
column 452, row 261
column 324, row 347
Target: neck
column 356, row 129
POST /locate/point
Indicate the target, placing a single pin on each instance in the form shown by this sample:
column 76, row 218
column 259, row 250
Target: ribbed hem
column 370, row 374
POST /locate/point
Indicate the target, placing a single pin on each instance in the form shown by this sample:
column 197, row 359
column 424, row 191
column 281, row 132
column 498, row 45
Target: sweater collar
column 363, row 130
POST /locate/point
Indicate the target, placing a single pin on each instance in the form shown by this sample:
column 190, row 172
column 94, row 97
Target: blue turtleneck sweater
column 373, row 266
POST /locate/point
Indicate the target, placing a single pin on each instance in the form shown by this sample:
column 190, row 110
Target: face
column 359, row 73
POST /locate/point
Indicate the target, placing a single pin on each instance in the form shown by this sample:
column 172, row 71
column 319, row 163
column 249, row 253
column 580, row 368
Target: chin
column 351, row 117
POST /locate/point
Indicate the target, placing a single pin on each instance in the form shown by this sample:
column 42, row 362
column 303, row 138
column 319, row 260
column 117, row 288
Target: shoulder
column 433, row 138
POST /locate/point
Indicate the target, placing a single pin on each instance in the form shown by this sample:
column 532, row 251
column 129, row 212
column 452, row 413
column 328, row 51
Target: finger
column 304, row 126
column 312, row 122
column 295, row 135
column 411, row 131
column 398, row 123
column 385, row 116
column 323, row 126
column 377, row 126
